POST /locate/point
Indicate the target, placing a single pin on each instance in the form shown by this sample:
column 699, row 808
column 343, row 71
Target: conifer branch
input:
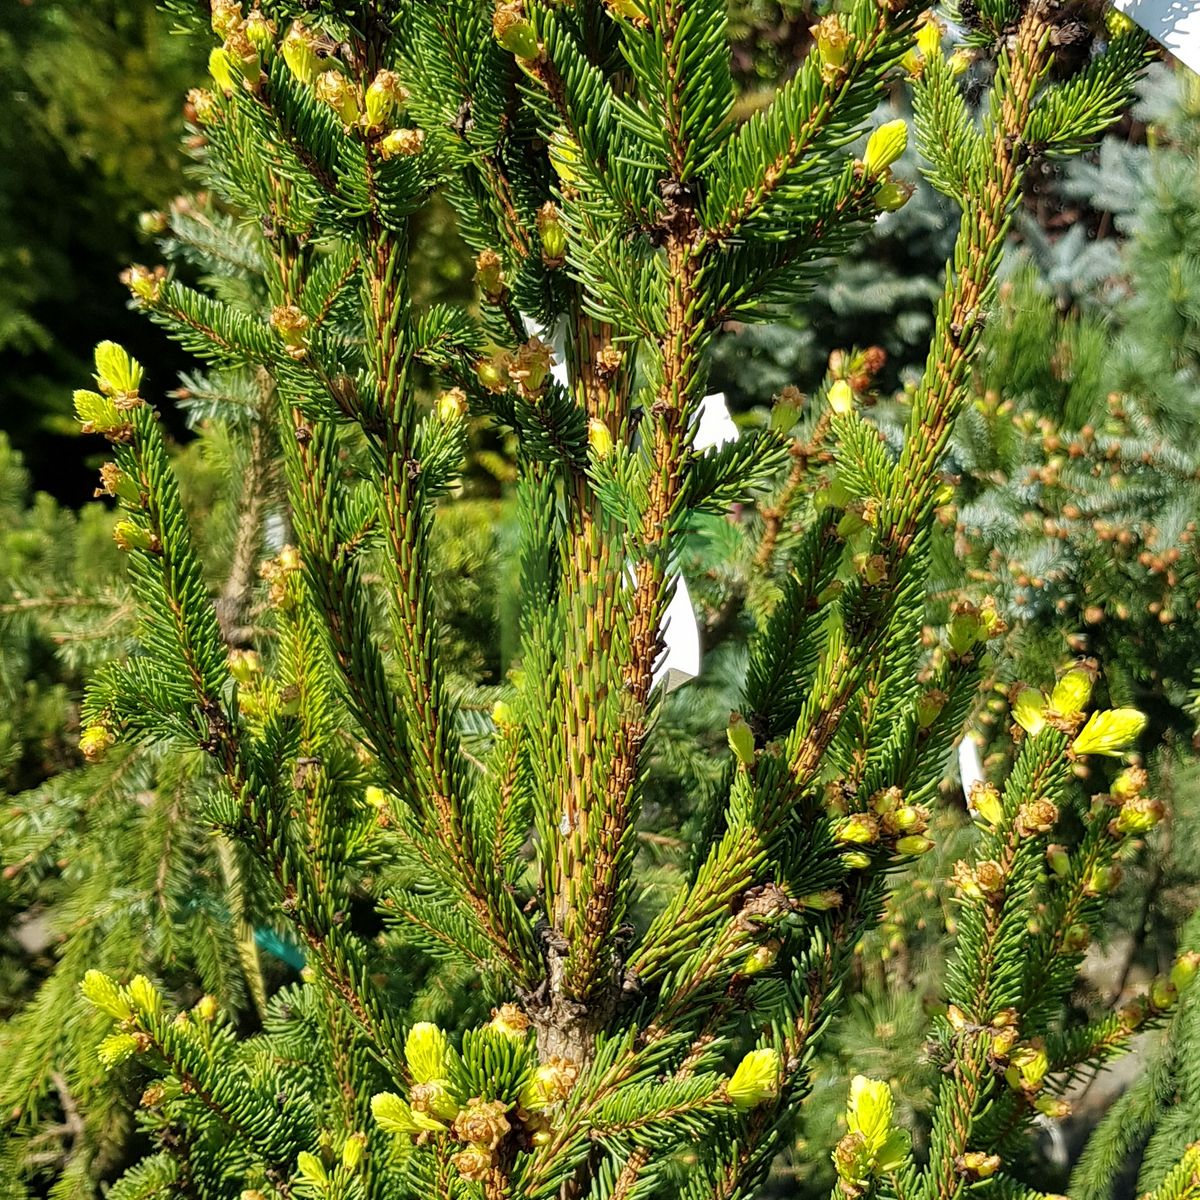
column 591, row 155
column 601, row 840
column 435, row 757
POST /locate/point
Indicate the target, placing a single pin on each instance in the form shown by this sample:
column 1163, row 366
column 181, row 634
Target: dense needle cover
column 498, row 987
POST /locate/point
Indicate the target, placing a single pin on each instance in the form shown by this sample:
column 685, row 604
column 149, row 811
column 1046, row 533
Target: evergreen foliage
column 89, row 119
column 651, row 1031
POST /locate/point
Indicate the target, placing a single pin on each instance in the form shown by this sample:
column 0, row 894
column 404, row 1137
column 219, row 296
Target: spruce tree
column 642, row 1040
column 112, row 861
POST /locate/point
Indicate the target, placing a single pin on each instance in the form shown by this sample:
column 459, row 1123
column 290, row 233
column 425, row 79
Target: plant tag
column 680, row 660
column 1174, row 24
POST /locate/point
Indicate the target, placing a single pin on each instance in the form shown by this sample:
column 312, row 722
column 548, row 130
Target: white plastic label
column 680, row 659
column 1175, row 24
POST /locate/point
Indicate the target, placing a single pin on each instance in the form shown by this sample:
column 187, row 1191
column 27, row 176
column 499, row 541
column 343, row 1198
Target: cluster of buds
column 1026, row 1071
column 144, row 283
column 1109, row 732
column 927, row 46
column 888, row 821
column 1164, row 991
column 976, row 1164
column 1001, row 1032
column 482, row 1125
column 885, row 145
column 1137, row 813
column 372, row 111
column 859, row 368
column 245, row 39
column 528, row 370
column 972, row 626
column 433, row 1106
column 130, row 1006
column 984, row 881
column 1062, row 709
column 873, row 1145
column 901, row 823
column 329, row 1170
column 118, row 377
column 479, row 1124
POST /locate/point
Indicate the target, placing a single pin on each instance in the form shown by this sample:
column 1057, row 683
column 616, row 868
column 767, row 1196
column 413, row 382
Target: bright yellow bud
column 94, row 741
column 220, row 67
column 352, row 1152
column 884, row 146
column 117, row 373
column 427, row 1052
column 311, row 1168
column 870, row 1109
column 756, row 1079
column 1110, row 733
column 841, row 398
column 600, row 438
column 116, row 1048
column 144, row 996
column 1029, row 707
column 103, row 993
column 929, row 38
column 300, row 54
column 1072, row 692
